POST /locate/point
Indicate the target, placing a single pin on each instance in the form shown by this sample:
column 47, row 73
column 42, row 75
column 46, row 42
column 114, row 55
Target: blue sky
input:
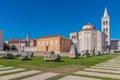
column 48, row 17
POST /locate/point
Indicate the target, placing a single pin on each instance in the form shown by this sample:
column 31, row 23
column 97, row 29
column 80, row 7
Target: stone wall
column 30, row 49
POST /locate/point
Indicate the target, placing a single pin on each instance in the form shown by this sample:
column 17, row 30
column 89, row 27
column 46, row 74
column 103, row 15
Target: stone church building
column 92, row 40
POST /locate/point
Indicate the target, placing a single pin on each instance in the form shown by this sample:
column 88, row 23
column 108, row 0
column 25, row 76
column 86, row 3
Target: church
column 92, row 40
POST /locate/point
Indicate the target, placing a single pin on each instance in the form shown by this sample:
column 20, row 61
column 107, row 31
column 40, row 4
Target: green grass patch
column 65, row 67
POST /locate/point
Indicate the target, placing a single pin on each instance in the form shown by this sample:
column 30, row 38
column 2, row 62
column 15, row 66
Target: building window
column 43, row 42
column 88, row 35
column 39, row 43
column 106, row 22
column 56, row 41
column 62, row 41
column 47, row 42
column 51, row 42
column 103, row 22
column 106, row 42
column 85, row 35
column 106, row 36
column 93, row 35
column 106, row 29
column 74, row 37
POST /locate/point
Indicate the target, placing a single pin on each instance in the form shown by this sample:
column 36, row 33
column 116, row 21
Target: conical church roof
column 105, row 13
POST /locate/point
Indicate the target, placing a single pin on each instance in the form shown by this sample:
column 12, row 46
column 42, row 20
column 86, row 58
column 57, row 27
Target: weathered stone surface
column 12, row 70
column 100, row 67
column 98, row 74
column 17, row 75
column 52, row 57
column 100, row 70
column 1, row 65
column 25, row 56
column 42, row 76
column 70, row 77
column 8, row 56
column 109, row 66
column 73, row 52
column 3, row 68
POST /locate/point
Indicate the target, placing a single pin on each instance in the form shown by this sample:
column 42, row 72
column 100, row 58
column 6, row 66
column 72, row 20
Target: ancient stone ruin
column 52, row 57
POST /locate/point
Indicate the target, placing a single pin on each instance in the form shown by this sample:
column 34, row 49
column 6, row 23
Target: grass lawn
column 65, row 67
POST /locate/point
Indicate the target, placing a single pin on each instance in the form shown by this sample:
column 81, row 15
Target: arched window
column 103, row 22
column 74, row 37
column 56, row 41
column 106, row 29
column 43, row 42
column 88, row 35
column 106, row 22
column 51, row 42
column 85, row 34
column 39, row 43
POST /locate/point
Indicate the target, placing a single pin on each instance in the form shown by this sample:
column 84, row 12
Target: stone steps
column 71, row 77
column 5, row 68
column 12, row 70
column 17, row 75
column 5, row 74
column 104, row 75
column 109, row 65
column 96, row 67
column 42, row 76
column 108, row 69
column 100, row 70
column 1, row 66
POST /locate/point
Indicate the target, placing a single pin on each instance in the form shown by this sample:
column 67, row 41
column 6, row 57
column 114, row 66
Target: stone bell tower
column 106, row 28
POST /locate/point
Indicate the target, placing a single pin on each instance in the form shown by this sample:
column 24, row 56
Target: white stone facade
column 89, row 39
column 92, row 40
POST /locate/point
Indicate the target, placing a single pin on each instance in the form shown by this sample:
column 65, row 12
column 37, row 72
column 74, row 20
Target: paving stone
column 42, row 76
column 12, row 70
column 17, row 75
column 70, row 77
column 110, row 66
column 99, row 70
column 115, row 76
column 98, row 67
column 3, row 68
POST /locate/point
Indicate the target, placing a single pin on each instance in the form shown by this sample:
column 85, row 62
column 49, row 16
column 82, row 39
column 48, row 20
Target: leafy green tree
column 13, row 47
column 6, row 47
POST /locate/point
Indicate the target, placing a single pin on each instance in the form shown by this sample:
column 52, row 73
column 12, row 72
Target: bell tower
column 106, row 28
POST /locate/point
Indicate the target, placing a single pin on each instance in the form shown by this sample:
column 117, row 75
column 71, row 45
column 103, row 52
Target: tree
column 6, row 47
column 13, row 47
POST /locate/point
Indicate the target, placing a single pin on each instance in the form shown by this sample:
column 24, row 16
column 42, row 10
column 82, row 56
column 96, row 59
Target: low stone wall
column 30, row 49
column 42, row 54
column 35, row 53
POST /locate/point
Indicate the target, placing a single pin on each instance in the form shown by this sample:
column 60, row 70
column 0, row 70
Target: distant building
column 1, row 39
column 23, row 44
column 54, row 43
column 19, row 44
column 115, row 45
